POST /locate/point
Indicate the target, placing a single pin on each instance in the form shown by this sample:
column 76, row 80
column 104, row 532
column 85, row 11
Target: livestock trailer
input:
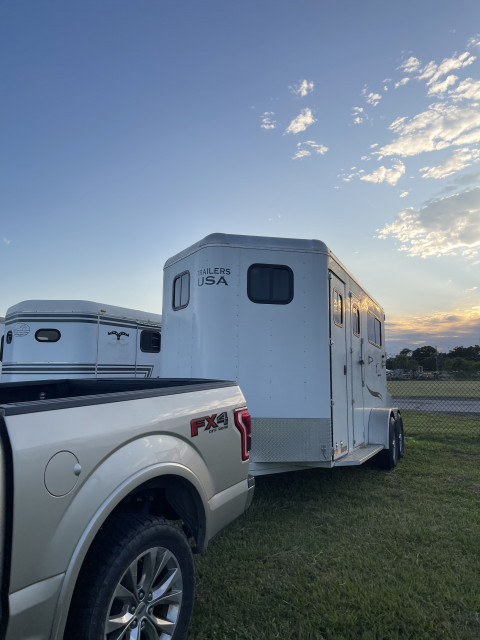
column 79, row 339
column 302, row 337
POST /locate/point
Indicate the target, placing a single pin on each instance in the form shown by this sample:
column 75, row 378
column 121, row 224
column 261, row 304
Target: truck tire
column 137, row 582
column 388, row 458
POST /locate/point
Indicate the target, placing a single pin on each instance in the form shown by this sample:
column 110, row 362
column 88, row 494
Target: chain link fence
column 444, row 408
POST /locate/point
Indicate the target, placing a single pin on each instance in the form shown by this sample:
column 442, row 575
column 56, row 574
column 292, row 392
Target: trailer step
column 359, row 456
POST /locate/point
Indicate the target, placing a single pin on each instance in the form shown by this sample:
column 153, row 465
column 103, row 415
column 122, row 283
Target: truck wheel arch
column 171, row 492
column 172, row 497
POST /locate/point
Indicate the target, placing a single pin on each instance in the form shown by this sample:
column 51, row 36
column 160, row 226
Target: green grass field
column 442, row 428
column 434, row 388
column 354, row 553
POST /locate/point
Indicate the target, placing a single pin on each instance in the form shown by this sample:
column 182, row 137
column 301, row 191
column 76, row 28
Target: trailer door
column 341, row 407
column 117, row 349
column 357, row 371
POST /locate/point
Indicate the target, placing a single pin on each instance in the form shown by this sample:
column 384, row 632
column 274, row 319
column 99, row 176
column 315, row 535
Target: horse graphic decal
column 119, row 335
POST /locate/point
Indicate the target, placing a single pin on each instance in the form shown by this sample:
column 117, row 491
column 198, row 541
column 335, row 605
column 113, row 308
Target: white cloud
column 321, row 149
column 402, row 82
column 6, row 241
column 404, row 194
column 301, row 122
column 371, row 98
column 382, row 174
column 302, row 89
column 301, row 153
column 308, row 147
column 433, row 72
column 448, row 226
column 460, row 159
column 441, row 87
column 397, row 124
column 267, row 120
column 468, row 89
column 474, row 42
column 439, row 127
column 410, row 65
column 358, row 114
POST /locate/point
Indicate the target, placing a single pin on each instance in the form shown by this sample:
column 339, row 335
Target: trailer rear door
column 117, row 349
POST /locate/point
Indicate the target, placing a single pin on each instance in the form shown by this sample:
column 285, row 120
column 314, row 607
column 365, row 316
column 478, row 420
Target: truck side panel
column 104, row 441
column 74, row 463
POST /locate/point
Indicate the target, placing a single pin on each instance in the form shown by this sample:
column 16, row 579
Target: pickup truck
column 107, row 487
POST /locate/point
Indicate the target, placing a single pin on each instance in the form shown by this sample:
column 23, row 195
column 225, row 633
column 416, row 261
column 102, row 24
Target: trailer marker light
column 243, row 422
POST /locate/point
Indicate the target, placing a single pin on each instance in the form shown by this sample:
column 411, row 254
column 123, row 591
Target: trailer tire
column 139, row 575
column 401, row 437
column 388, row 458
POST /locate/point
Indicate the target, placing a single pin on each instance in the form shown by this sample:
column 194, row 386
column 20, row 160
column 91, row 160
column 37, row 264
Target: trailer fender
column 378, row 425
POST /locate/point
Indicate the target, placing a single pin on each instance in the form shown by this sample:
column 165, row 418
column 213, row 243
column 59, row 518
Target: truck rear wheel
column 137, row 583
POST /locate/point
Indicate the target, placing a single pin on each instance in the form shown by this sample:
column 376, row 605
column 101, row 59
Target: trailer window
column 150, row 341
column 337, row 308
column 181, row 291
column 374, row 330
column 47, row 335
column 270, row 284
column 9, row 337
column 356, row 320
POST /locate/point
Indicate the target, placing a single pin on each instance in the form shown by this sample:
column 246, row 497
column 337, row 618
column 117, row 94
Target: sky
column 132, row 129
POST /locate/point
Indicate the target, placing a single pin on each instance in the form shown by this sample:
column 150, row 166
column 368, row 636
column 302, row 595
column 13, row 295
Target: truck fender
column 106, row 477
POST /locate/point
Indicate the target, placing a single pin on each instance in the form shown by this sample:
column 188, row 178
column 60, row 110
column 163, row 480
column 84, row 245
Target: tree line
column 462, row 359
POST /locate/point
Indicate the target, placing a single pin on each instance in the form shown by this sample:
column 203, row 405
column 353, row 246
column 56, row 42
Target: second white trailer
column 305, row 341
column 79, row 339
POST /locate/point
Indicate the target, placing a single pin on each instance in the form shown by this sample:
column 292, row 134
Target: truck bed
column 46, row 395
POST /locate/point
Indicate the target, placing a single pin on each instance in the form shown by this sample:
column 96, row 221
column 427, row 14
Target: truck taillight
column 243, row 422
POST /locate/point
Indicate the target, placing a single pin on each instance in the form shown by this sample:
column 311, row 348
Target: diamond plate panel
column 291, row 439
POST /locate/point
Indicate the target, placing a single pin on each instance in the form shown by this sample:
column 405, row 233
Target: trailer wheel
column 388, row 458
column 138, row 582
column 400, row 437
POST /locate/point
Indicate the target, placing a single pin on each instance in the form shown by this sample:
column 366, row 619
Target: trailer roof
column 264, row 242
column 251, row 242
column 47, row 307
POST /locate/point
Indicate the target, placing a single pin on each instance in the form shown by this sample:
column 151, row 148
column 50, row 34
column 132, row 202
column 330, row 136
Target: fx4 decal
column 209, row 423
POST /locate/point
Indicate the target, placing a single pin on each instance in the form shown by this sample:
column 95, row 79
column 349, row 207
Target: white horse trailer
column 79, row 339
column 305, row 341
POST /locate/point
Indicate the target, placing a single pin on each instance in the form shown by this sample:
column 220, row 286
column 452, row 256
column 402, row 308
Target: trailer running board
column 359, row 456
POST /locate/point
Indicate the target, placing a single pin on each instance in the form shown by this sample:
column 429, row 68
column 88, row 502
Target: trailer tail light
column 243, row 422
